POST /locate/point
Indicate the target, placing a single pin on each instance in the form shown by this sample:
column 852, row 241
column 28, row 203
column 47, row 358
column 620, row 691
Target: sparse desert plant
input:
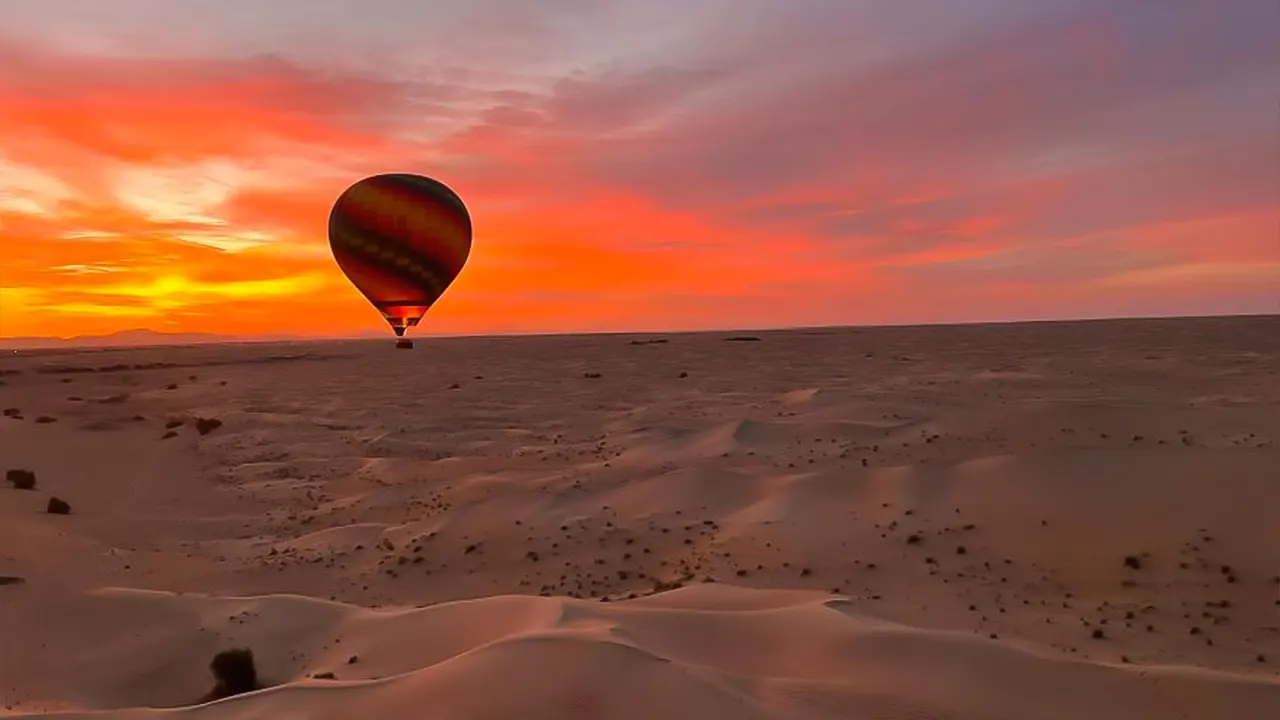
column 234, row 673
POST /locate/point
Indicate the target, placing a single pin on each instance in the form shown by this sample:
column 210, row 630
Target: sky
column 642, row 164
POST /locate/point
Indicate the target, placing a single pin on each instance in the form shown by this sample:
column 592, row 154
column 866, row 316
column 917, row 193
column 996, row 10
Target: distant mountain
column 123, row 338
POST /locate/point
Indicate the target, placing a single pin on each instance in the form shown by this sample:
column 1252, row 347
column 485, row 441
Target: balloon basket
column 404, row 344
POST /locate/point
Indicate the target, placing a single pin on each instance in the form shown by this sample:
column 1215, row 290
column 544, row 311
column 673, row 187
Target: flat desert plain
column 1057, row 520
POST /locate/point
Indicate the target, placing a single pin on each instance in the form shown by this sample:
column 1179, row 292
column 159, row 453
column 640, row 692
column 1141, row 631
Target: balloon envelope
column 401, row 239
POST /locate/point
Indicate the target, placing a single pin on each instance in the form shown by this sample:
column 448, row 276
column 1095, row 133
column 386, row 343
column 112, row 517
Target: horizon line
column 220, row 338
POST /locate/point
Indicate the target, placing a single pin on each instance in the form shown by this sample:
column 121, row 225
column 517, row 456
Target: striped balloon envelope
column 401, row 239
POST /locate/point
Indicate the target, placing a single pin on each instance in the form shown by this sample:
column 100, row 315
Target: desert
column 968, row 522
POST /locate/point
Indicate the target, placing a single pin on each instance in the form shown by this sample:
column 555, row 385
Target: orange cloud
column 172, row 110
column 165, row 216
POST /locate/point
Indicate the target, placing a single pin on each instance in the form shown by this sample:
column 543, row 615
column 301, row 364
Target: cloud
column 986, row 110
column 1074, row 103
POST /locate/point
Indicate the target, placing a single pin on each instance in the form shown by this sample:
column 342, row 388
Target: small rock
column 58, row 506
column 21, row 479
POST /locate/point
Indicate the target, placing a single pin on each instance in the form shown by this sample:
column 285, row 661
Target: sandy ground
column 957, row 523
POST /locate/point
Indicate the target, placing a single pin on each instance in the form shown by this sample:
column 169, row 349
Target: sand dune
column 1048, row 521
column 707, row 651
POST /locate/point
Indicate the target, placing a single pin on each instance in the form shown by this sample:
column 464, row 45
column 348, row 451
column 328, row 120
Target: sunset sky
column 642, row 164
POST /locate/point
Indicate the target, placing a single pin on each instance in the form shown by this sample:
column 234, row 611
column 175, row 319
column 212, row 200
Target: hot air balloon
column 401, row 239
